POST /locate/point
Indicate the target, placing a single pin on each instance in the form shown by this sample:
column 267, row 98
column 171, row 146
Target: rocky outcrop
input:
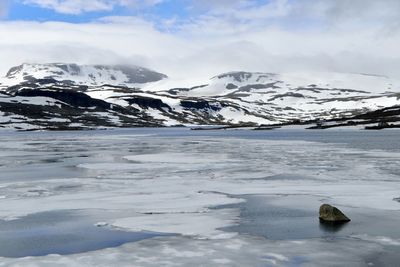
column 199, row 104
column 76, row 99
column 331, row 214
column 147, row 102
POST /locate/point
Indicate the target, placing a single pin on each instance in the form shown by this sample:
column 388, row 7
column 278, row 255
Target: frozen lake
column 175, row 197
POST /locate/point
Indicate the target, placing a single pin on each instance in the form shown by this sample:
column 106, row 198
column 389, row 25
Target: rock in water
column 328, row 213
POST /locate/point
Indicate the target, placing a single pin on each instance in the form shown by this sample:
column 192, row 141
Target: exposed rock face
column 330, row 214
column 147, row 102
column 70, row 97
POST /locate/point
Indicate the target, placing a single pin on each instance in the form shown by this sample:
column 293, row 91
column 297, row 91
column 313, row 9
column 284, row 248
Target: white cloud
column 280, row 35
column 350, row 14
column 82, row 6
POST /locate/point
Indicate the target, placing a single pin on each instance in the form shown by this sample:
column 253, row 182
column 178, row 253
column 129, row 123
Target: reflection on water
column 332, row 227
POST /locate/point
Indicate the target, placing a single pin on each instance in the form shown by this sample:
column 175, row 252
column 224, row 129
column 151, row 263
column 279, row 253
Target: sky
column 205, row 37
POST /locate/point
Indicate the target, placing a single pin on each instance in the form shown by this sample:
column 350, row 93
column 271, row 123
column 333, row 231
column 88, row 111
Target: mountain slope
column 324, row 95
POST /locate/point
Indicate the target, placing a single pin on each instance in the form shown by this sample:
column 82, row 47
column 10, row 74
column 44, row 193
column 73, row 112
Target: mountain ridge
column 143, row 97
column 91, row 75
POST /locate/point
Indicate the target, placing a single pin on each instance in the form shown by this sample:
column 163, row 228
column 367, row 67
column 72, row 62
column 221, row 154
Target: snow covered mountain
column 69, row 96
column 304, row 96
column 90, row 75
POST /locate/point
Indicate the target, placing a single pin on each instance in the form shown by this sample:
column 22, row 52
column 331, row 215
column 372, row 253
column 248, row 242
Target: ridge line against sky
column 194, row 37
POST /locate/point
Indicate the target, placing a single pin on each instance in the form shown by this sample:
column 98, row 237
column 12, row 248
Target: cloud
column 82, row 6
column 358, row 9
column 347, row 14
column 272, row 36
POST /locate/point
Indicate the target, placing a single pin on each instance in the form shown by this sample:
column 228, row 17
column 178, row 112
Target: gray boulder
column 330, row 214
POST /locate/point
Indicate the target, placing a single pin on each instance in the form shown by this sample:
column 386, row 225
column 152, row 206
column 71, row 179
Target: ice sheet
column 171, row 183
